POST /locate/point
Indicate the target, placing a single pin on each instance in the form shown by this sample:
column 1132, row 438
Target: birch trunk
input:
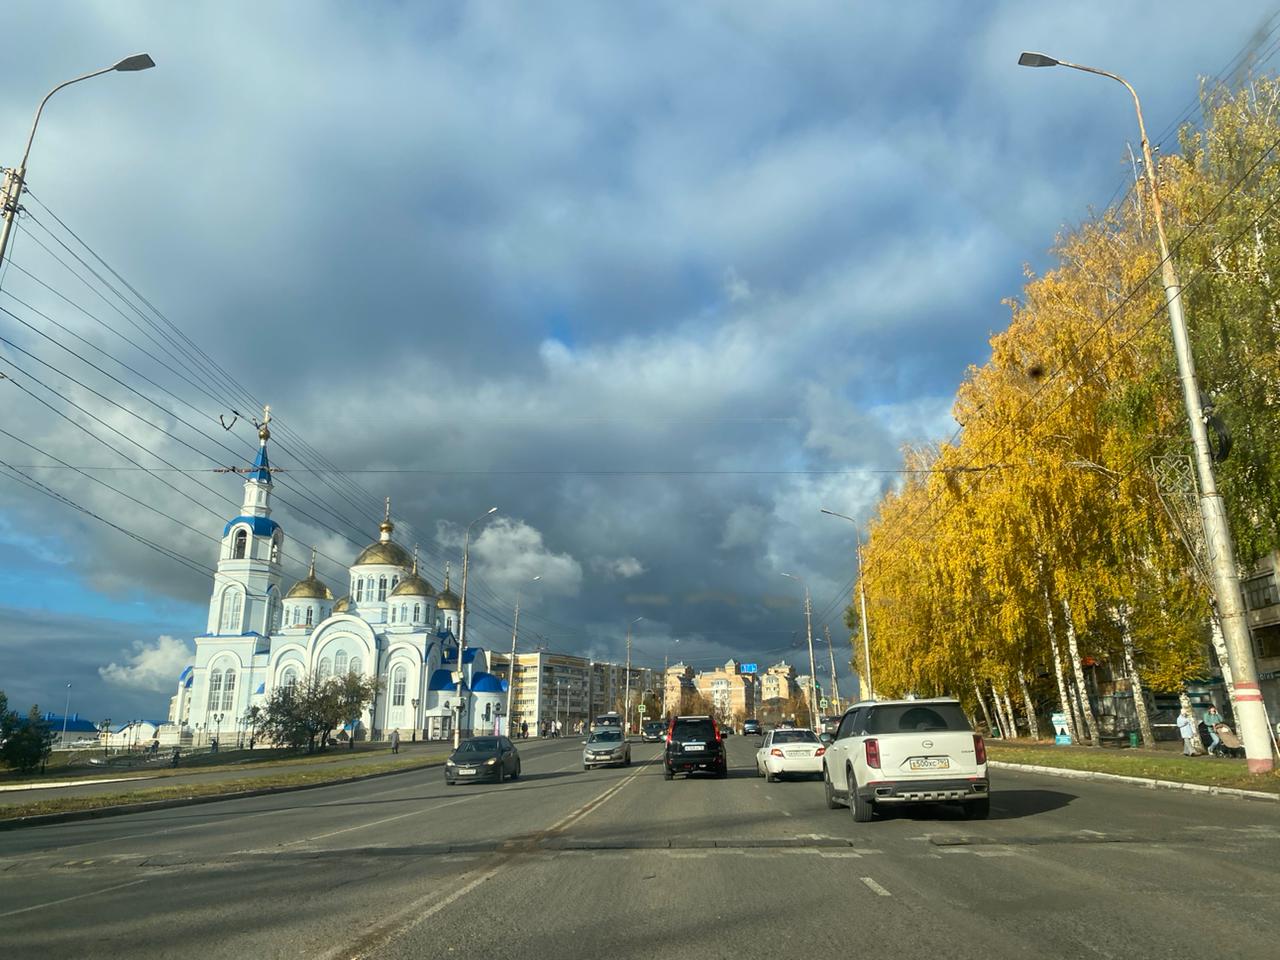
column 1064, row 701
column 1000, row 714
column 1073, row 649
column 1008, row 712
column 983, row 704
column 1220, row 649
column 1197, row 745
column 1135, row 679
column 1033, row 722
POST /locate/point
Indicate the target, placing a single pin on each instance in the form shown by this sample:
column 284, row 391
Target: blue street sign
column 749, row 668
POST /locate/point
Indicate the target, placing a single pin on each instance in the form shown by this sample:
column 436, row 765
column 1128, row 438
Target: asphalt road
column 620, row 863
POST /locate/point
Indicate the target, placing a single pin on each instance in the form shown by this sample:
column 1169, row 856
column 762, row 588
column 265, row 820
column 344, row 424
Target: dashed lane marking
column 78, row 896
column 876, row 888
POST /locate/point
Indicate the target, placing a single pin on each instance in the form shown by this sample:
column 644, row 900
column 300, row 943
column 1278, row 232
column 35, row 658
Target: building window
column 1260, row 591
column 290, row 680
column 215, row 689
column 360, row 591
column 275, row 549
column 382, row 589
column 397, row 687
column 340, row 663
column 355, row 666
column 488, row 707
column 394, row 581
column 240, row 544
column 417, row 612
column 326, row 668
column 393, row 614
column 231, row 607
column 276, row 609
column 309, row 612
column 228, row 689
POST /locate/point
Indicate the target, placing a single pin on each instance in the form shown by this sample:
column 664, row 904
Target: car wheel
column 516, row 775
column 829, row 791
column 978, row 809
column 586, row 766
column 627, row 762
column 502, row 773
column 449, row 783
column 770, row 777
column 667, row 775
column 723, row 772
column 863, row 809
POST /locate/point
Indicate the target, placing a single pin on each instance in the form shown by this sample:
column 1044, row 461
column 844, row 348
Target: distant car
column 829, row 725
column 653, row 731
column 893, row 752
column 482, row 758
column 606, row 747
column 790, row 753
column 694, row 744
column 751, row 728
column 726, row 730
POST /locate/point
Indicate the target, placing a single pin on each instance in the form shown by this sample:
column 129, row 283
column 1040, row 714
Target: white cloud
column 151, row 666
column 509, row 553
column 617, row 568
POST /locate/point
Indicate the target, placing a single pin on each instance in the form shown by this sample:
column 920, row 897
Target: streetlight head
column 1036, row 60
column 139, row 61
column 491, row 510
column 536, row 579
column 791, row 576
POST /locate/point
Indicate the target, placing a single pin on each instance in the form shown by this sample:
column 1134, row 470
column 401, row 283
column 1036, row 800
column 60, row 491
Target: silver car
column 605, row 747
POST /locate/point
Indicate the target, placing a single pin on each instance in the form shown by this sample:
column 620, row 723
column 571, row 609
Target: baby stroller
column 1230, row 745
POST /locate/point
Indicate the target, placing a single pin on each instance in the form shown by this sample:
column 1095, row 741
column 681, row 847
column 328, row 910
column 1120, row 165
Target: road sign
column 1061, row 733
column 641, row 708
column 823, row 703
column 749, row 668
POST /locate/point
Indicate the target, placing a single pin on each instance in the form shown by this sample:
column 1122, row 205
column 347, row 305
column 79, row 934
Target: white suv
column 906, row 751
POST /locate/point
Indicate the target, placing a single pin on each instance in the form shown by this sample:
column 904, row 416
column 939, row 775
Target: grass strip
column 1153, row 764
column 296, row 778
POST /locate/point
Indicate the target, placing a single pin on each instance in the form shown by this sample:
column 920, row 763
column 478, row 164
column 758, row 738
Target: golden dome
column 413, row 585
column 448, row 599
column 342, row 606
column 311, row 587
column 384, row 551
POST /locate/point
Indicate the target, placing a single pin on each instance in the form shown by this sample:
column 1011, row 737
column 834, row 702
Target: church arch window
column 359, row 589
column 215, row 689
column 289, row 680
column 393, row 614
column 239, row 544
column 310, row 614
column 404, row 612
column 382, row 589
column 417, row 612
column 398, row 683
column 276, row 613
column 355, row 667
column 394, row 580
column 488, row 708
column 326, row 668
column 340, row 663
column 232, row 605
column 448, row 624
column 228, row 689
column 275, row 548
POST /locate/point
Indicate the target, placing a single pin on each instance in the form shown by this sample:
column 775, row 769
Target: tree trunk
column 1073, row 649
column 983, row 704
column 1220, row 648
column 1008, row 728
column 1033, row 722
column 1197, row 745
column 1008, row 712
column 1064, row 701
column 1135, row 679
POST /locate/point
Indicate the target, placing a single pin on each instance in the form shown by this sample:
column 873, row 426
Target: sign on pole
column 1061, row 732
column 749, row 668
column 823, row 703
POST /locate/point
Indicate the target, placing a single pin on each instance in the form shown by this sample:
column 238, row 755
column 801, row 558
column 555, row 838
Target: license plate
column 799, row 753
column 693, row 746
column 930, row 763
column 467, row 773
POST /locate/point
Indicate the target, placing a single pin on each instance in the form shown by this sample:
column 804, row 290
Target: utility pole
column 835, row 681
column 808, row 629
column 626, row 697
column 1252, row 719
column 462, row 616
column 65, row 710
column 511, row 669
column 869, row 693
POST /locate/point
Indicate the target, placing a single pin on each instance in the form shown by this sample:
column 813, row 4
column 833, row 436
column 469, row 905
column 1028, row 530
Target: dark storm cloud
column 657, row 280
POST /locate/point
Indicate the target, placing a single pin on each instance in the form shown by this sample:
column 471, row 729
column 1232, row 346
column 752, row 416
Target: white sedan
column 788, row 752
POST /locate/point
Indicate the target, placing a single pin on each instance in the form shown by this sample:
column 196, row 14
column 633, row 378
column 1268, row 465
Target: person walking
column 395, row 741
column 1187, row 730
column 1211, row 721
column 524, row 729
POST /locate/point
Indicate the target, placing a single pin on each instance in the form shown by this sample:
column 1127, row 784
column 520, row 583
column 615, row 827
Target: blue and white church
column 391, row 624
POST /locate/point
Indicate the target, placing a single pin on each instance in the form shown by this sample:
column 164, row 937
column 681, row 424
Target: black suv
column 693, row 743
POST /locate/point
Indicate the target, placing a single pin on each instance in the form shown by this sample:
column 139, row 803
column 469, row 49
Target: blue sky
column 659, row 280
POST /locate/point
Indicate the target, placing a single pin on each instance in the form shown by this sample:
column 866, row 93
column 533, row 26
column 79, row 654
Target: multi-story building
column 677, row 682
column 778, row 682
column 730, row 692
column 567, row 688
column 1262, row 603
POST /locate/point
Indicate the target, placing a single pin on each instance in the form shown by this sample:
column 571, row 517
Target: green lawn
column 290, row 776
column 1157, row 764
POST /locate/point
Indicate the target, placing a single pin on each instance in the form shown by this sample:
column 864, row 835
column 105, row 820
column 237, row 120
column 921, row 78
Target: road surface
column 620, row 863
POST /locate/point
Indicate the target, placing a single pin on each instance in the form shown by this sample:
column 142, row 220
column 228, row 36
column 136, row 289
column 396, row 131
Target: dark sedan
column 483, row 758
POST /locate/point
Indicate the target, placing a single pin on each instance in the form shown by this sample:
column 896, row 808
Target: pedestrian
column 524, row 729
column 1187, row 730
column 1211, row 721
column 395, row 741
column 177, row 752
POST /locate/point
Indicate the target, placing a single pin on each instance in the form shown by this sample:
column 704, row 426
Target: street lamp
column 105, row 726
column 808, row 629
column 462, row 617
column 626, row 697
column 869, row 693
column 65, row 710
column 511, row 668
column 15, row 180
column 1222, row 557
column 217, row 733
column 416, row 721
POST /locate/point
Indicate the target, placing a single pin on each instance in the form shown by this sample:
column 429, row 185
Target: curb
column 1147, row 782
column 144, row 806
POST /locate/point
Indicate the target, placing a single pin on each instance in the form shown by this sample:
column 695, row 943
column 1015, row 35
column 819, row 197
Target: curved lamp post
column 511, row 665
column 462, row 619
column 813, row 673
column 15, row 180
column 869, row 693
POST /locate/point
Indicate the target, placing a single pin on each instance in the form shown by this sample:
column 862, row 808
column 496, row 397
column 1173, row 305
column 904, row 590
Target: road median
column 1152, row 769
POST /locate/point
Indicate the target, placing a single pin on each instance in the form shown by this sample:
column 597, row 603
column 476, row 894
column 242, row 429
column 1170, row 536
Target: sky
column 657, row 280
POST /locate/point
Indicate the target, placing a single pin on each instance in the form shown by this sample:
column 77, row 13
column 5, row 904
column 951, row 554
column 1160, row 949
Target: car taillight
column 979, row 748
column 820, row 751
column 873, row 754
column 716, row 728
column 775, row 752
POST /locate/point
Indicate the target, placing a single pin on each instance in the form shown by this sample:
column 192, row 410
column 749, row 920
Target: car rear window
column 794, row 736
column 695, row 729
column 916, row 718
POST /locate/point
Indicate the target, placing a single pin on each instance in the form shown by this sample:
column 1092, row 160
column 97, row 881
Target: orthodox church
column 391, row 624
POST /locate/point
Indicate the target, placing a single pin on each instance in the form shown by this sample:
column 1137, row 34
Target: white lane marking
column 786, row 813
column 598, row 801
column 72, row 783
column 78, row 896
column 375, row 823
column 875, row 887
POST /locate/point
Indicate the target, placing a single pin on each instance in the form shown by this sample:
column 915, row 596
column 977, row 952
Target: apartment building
column 567, row 688
column 1262, row 605
column 778, row 682
column 730, row 693
column 678, row 682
